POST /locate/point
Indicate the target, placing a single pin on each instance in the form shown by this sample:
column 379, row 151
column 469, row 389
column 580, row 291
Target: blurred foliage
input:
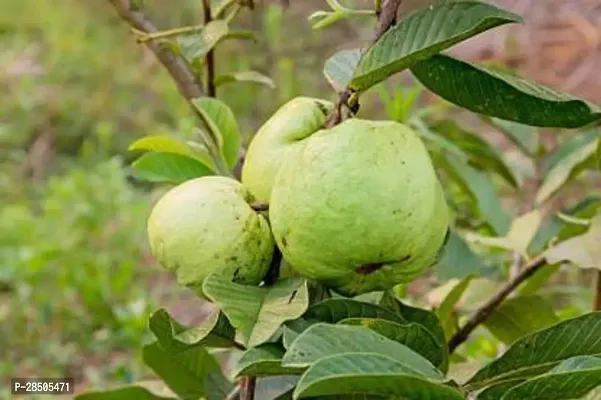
column 77, row 90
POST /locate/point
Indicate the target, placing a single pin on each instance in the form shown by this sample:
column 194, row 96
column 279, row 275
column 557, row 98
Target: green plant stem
column 486, row 310
column 144, row 37
column 210, row 57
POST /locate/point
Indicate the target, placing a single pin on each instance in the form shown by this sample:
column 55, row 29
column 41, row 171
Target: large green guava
column 280, row 135
column 206, row 226
column 360, row 208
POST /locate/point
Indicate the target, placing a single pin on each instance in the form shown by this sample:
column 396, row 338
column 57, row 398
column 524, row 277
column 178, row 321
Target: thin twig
column 210, row 57
column 235, row 393
column 248, row 388
column 386, row 17
column 187, row 83
column 486, row 310
column 597, row 303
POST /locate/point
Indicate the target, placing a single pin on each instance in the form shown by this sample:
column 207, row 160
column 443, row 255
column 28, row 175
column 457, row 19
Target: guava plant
column 307, row 244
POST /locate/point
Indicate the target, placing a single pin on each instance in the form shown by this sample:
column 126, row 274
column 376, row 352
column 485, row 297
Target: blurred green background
column 76, row 281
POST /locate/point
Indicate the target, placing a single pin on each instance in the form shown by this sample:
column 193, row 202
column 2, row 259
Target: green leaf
column 501, row 95
column 583, row 251
column 275, row 387
column 168, row 144
column 197, row 45
column 436, row 140
column 573, row 378
column 541, row 351
column 244, row 76
column 557, row 229
column 447, row 306
column 414, row 314
column 215, row 331
column 482, row 154
column 524, row 136
column 186, row 372
column 422, row 34
column 339, row 68
column 368, row 373
column 567, row 147
column 169, row 167
column 325, row 340
column 136, row 391
column 220, row 120
column 568, row 168
column 522, row 231
column 258, row 312
column 479, row 187
column 335, row 310
column 264, row 360
column 412, row 335
column 519, row 316
column 293, row 328
column 458, row 260
column 160, row 143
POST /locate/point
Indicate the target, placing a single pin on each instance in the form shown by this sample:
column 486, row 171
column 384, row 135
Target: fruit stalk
column 386, row 12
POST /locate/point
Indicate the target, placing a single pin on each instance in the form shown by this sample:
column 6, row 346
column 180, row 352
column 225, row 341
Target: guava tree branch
column 386, row 12
column 210, row 57
column 187, row 83
column 487, row 309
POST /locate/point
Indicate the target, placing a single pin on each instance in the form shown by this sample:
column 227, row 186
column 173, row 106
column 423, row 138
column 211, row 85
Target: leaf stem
column 144, row 36
column 486, row 310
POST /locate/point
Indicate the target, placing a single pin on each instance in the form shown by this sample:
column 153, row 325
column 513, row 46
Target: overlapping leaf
column 221, row 122
column 215, row 331
column 195, row 46
column 369, row 373
column 482, row 154
column 244, row 76
column 479, row 187
column 520, row 316
column 264, row 360
column 541, row 351
column 573, row 378
column 169, row 167
column 191, row 374
column 501, row 95
column 568, row 167
column 583, row 250
column 339, row 68
column 412, row 335
column 136, row 391
column 458, row 260
column 422, row 34
column 258, row 312
column 326, row 340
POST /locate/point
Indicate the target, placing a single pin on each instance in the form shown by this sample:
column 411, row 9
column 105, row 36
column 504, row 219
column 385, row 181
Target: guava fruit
column 360, row 207
column 273, row 142
column 205, row 226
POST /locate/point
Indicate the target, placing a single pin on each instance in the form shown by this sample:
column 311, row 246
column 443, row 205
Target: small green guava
column 205, row 226
column 360, row 207
column 281, row 134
